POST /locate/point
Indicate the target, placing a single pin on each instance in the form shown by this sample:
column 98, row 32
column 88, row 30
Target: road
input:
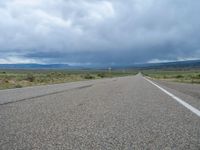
column 118, row 113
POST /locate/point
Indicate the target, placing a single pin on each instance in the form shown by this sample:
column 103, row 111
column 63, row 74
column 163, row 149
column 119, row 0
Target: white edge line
column 188, row 106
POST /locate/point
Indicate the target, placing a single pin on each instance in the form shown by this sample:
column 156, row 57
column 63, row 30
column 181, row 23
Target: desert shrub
column 88, row 76
column 179, row 76
column 18, row 86
column 30, row 78
column 101, row 75
column 164, row 77
column 5, row 80
column 56, row 75
column 43, row 80
column 196, row 76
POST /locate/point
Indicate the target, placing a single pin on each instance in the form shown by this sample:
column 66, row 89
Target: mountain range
column 168, row 65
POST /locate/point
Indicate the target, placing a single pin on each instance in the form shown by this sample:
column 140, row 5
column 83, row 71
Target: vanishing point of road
column 119, row 113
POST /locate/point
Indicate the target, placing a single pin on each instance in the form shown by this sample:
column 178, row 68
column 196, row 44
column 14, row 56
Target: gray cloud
column 98, row 31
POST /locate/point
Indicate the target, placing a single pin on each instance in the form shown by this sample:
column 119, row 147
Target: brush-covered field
column 23, row 78
column 186, row 76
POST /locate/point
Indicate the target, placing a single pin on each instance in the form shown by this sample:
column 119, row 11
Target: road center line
column 188, row 106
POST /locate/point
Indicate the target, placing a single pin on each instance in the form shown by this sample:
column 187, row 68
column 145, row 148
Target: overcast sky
column 99, row 31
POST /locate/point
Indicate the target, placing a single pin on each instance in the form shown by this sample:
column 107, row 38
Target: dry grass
column 23, row 78
column 186, row 76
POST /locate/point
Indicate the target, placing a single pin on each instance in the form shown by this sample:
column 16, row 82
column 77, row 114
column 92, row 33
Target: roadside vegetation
column 23, row 78
column 186, row 76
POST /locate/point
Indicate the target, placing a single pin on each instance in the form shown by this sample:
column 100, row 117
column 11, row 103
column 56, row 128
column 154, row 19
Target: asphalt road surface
column 119, row 113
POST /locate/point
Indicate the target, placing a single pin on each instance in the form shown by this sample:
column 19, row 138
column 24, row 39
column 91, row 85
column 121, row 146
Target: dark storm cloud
column 99, row 31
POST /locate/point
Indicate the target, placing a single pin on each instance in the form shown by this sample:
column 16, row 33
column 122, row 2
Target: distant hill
column 34, row 66
column 170, row 65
